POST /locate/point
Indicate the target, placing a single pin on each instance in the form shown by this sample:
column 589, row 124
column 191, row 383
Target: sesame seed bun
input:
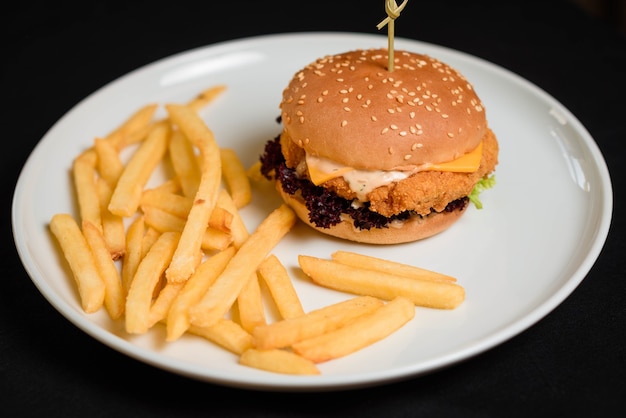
column 359, row 144
column 413, row 229
column 350, row 109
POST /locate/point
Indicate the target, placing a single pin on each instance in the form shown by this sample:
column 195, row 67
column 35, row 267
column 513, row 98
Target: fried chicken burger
column 380, row 157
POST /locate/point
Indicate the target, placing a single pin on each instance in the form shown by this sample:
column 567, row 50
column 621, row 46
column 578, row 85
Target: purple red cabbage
column 326, row 207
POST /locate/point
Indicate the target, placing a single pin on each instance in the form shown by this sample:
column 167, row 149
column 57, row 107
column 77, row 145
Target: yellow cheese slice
column 467, row 163
column 318, row 176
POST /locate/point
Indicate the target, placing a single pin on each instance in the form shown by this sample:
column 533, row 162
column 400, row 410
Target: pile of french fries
column 179, row 253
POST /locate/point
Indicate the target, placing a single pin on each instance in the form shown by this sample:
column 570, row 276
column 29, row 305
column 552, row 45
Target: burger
column 378, row 156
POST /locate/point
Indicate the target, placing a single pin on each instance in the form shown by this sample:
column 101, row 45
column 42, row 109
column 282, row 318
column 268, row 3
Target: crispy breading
column 422, row 192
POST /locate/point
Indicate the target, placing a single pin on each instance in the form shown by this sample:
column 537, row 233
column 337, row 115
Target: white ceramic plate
column 541, row 229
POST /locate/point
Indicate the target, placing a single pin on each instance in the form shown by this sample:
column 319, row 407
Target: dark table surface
column 572, row 362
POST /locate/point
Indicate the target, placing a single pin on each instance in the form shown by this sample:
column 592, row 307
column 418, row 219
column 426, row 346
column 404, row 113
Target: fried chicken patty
column 422, row 192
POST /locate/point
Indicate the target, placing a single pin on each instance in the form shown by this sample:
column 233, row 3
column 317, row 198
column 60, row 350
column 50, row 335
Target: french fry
column 137, row 122
column 360, row 333
column 84, row 176
column 112, row 225
column 161, row 306
column 238, row 230
column 236, row 178
column 275, row 276
column 149, row 271
column 133, row 253
column 114, row 295
column 427, row 293
column 169, row 186
column 206, row 96
column 109, row 165
column 188, row 253
column 193, row 290
column 250, row 304
column 278, row 361
column 135, row 136
column 150, row 237
column 74, row 246
column 388, row 266
column 225, row 333
column 173, row 203
column 226, row 288
column 185, row 163
column 180, row 206
column 254, row 172
column 127, row 193
column 211, row 239
column 287, row 332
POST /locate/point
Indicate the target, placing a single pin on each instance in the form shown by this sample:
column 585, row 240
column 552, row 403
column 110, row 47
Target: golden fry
column 206, row 96
column 427, row 293
column 254, row 172
column 134, row 252
column 149, row 271
column 286, row 332
column 360, row 333
column 225, row 333
column 180, row 206
column 137, row 122
column 163, row 302
column 250, row 304
column 173, row 203
column 185, row 163
column 238, row 230
column 387, row 266
column 193, row 290
column 81, row 261
column 112, row 225
column 281, row 288
column 212, row 239
column 114, row 295
column 109, row 164
column 127, row 193
column 278, row 361
column 84, row 175
column 225, row 290
column 188, row 253
column 236, row 178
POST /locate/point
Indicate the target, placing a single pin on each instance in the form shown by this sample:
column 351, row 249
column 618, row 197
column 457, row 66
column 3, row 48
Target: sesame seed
column 391, row 111
column 394, row 127
column 344, row 123
column 320, row 99
column 450, row 135
column 403, row 133
column 374, row 118
column 407, row 156
column 390, row 150
column 347, row 109
column 384, row 131
column 412, row 115
column 345, row 100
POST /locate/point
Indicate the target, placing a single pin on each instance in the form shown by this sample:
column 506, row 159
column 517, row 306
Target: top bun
column 349, row 108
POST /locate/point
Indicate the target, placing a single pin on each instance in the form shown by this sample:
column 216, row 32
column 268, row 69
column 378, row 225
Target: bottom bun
column 414, row 229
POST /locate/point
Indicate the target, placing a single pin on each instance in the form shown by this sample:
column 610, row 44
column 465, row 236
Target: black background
column 55, row 53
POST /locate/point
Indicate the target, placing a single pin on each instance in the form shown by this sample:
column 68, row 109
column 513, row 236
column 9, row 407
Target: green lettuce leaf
column 483, row 184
